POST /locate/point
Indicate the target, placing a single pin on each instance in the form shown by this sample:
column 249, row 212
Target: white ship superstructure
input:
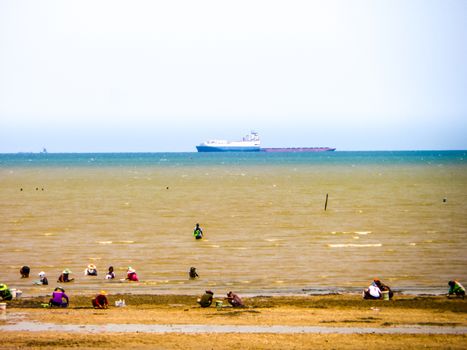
column 249, row 143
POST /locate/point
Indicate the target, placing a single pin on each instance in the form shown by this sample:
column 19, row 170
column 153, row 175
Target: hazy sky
column 100, row 76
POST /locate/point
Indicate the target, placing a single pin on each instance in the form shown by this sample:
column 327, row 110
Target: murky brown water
column 265, row 227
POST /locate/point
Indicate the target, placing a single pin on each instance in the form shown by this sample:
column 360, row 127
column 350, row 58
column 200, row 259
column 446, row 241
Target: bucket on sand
column 219, row 304
column 2, row 306
column 385, row 294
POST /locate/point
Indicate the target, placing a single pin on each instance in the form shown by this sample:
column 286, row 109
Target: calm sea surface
column 399, row 216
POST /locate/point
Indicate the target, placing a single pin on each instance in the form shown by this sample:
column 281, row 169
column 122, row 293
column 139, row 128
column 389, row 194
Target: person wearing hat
column 5, row 292
column 131, row 275
column 372, row 292
column 59, row 298
column 100, row 301
column 91, row 270
column 42, row 279
column 65, row 276
column 206, row 299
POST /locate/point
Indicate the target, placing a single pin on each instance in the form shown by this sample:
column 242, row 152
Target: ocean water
column 398, row 216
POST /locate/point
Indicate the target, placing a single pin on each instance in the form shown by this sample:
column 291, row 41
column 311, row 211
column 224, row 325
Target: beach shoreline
column 347, row 320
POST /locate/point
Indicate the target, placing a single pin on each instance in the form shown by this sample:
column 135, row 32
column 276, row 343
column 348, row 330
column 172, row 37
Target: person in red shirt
column 100, row 301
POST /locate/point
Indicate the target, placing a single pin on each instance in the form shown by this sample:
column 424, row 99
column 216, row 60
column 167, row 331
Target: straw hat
column 67, row 270
column 41, row 274
column 103, row 292
column 131, row 270
column 92, row 266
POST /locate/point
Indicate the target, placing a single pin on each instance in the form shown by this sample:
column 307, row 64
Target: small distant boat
column 44, row 150
column 249, row 143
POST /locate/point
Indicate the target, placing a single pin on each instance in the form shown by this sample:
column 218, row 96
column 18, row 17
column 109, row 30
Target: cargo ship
column 251, row 143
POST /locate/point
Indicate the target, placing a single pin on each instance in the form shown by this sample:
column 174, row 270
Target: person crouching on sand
column 383, row 287
column 65, row 276
column 100, row 301
column 206, row 299
column 456, row 288
column 58, row 297
column 5, row 292
column 131, row 275
column 372, row 292
column 234, row 300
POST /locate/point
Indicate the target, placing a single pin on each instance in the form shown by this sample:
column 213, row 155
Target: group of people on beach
column 91, row 270
column 60, row 299
column 233, row 299
column 379, row 290
column 376, row 290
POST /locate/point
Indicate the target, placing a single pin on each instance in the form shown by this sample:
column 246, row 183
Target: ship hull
column 298, row 149
column 227, row 149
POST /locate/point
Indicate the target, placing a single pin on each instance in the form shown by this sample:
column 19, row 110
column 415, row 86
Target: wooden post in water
column 326, row 203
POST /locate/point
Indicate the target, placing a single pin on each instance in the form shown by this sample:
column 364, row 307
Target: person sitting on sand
column 383, row 287
column 456, row 288
column 111, row 274
column 198, row 232
column 206, row 299
column 131, row 275
column 100, row 301
column 24, row 271
column 234, row 300
column 193, row 274
column 5, row 292
column 372, row 292
column 91, row 270
column 42, row 279
column 58, row 297
column 65, row 276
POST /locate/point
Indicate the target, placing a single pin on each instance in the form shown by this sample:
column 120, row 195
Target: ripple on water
column 354, row 245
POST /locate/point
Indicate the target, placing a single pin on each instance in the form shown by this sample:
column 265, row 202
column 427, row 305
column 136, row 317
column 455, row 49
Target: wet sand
column 332, row 321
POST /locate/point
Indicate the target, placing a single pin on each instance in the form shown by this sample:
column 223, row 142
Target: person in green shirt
column 198, row 233
column 456, row 288
column 5, row 293
column 206, row 299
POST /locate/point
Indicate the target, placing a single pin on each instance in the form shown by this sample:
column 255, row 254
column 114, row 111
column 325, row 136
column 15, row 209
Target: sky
column 161, row 76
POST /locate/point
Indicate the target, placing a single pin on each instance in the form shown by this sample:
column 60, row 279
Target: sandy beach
column 331, row 321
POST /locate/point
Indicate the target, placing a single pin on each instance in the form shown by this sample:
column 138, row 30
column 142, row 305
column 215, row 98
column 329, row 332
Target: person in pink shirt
column 131, row 275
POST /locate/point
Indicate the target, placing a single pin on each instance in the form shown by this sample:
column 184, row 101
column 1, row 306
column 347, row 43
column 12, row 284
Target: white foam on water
column 354, row 245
